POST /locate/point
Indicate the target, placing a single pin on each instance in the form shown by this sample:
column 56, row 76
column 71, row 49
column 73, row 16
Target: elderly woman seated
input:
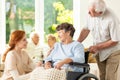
column 65, row 51
column 51, row 40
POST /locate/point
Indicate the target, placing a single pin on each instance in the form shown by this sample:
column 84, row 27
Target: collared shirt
column 74, row 50
column 105, row 27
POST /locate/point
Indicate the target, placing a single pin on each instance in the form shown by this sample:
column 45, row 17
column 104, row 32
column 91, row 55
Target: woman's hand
column 40, row 63
column 47, row 65
column 59, row 65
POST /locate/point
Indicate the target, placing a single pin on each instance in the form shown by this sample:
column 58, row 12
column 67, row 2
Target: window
column 56, row 12
column 20, row 14
column 42, row 15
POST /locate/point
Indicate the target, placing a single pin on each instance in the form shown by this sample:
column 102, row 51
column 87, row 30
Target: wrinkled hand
column 93, row 49
column 39, row 64
column 59, row 65
column 47, row 65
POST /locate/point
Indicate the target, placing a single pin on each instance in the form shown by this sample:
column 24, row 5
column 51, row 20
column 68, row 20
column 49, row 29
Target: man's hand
column 47, row 65
column 93, row 49
column 104, row 45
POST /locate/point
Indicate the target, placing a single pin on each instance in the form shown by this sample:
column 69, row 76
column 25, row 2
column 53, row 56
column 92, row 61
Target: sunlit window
column 20, row 14
column 40, row 15
column 56, row 12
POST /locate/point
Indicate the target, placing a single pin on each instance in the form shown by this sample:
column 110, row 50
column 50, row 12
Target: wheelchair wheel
column 88, row 76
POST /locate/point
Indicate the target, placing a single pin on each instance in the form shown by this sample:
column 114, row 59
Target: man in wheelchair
column 67, row 51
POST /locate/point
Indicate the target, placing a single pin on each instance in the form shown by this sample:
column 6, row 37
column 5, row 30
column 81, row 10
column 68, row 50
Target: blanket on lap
column 48, row 74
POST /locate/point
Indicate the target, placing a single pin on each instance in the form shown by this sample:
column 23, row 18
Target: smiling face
column 18, row 39
column 51, row 41
column 35, row 39
column 22, row 43
column 93, row 13
column 65, row 32
column 63, row 35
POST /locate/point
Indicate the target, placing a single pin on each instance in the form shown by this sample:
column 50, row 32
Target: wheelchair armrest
column 83, row 65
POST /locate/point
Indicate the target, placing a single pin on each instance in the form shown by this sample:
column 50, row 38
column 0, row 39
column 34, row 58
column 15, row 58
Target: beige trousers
column 109, row 69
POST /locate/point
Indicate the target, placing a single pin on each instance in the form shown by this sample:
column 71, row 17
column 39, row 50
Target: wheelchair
column 85, row 75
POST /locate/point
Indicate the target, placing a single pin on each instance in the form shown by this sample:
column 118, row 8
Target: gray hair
column 51, row 36
column 32, row 34
column 99, row 5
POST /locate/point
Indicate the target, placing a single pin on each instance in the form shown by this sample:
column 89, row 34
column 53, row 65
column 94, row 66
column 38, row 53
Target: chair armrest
column 83, row 65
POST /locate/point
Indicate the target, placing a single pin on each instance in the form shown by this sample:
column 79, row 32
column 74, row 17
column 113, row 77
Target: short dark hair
column 67, row 27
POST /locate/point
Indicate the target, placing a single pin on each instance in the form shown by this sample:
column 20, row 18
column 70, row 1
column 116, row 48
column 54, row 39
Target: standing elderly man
column 105, row 28
column 34, row 49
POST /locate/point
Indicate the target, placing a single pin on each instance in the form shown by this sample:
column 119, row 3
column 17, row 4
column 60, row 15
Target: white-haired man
column 105, row 28
column 34, row 48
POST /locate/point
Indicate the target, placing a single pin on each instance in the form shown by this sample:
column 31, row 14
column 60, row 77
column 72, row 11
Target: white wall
column 113, row 4
column 39, row 19
column 83, row 10
column 76, row 18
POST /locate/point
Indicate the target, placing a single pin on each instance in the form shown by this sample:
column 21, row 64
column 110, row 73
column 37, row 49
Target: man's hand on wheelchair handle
column 93, row 49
